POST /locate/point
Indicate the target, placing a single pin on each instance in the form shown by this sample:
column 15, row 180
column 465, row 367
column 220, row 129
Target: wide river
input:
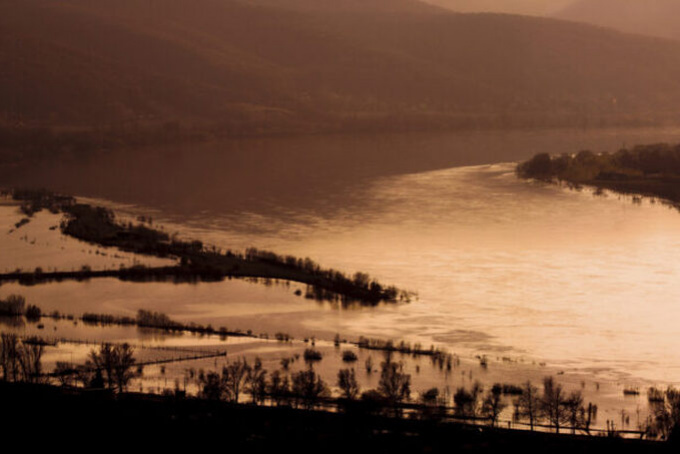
column 501, row 266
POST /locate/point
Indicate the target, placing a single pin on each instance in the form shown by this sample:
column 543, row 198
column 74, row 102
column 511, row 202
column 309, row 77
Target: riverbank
column 643, row 171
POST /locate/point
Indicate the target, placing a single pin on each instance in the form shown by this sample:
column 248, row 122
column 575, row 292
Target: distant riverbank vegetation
column 644, row 170
column 98, row 225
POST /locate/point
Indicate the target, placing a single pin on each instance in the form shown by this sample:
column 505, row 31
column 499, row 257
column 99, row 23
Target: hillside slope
column 300, row 65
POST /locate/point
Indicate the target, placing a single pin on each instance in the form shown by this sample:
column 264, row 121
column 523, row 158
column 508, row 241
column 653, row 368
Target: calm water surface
column 501, row 266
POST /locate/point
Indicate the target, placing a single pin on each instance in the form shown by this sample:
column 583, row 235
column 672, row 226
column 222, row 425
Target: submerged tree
column 347, row 382
column 394, row 384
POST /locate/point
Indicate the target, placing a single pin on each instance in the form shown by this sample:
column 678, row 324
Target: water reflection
column 500, row 265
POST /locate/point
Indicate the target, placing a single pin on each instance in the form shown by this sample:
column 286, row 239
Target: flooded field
column 540, row 279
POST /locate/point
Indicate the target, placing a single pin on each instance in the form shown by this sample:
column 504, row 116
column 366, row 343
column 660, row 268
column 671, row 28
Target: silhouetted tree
column 430, row 397
column 115, row 363
column 279, row 387
column 256, row 381
column 311, row 355
column 394, row 384
column 9, row 356
column 493, row 404
column 234, row 377
column 29, row 362
column 65, row 373
column 308, row 388
column 13, row 305
column 467, row 402
column 20, row 360
column 528, row 405
column 347, row 382
column 211, row 386
column 666, row 420
column 552, row 403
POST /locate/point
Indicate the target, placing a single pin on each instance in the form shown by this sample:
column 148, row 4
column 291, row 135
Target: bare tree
column 528, row 405
column 20, row 360
column 573, row 407
column 256, row 382
column 493, row 404
column 278, row 387
column 347, row 382
column 9, row 356
column 29, row 361
column 115, row 362
column 234, row 377
column 552, row 403
column 394, row 384
column 308, row 388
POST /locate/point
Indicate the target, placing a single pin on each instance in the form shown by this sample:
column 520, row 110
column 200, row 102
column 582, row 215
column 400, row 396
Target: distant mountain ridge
column 265, row 66
column 659, row 18
column 525, row 7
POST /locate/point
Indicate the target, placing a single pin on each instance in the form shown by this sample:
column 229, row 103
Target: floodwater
column 503, row 267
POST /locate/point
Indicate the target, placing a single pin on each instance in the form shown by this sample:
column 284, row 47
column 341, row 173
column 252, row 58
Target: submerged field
column 538, row 279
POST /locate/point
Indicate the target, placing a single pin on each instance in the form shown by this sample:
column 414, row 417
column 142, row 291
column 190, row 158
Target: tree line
column 650, row 170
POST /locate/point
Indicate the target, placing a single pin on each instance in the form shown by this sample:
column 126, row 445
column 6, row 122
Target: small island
column 645, row 170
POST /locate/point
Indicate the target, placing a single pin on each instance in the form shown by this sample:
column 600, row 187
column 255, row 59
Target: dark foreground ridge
column 645, row 170
column 168, row 420
column 98, row 225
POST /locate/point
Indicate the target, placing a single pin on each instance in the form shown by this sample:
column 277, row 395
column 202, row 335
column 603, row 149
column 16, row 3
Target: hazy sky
column 534, row 7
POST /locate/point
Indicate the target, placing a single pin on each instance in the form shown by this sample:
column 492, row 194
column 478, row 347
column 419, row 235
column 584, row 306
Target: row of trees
column 304, row 388
column 642, row 159
column 553, row 405
column 307, row 389
column 112, row 366
column 15, row 306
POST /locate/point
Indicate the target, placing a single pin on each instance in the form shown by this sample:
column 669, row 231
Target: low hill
column 263, row 66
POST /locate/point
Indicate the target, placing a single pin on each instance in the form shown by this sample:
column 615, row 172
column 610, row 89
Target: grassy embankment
column 98, row 225
column 645, row 170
